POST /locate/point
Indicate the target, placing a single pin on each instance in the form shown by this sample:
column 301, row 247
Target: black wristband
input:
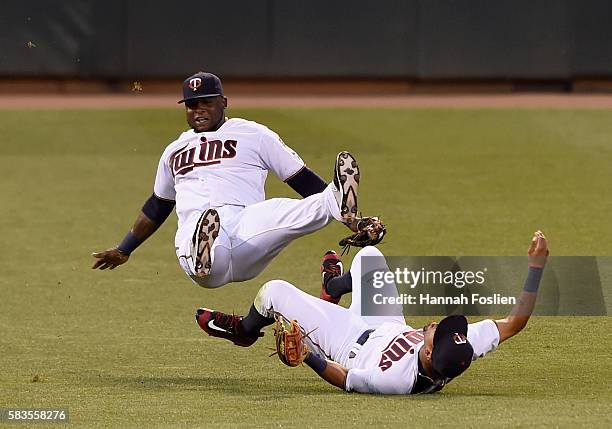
column 533, row 279
column 129, row 244
column 316, row 362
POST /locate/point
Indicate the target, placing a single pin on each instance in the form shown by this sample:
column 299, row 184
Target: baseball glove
column 370, row 231
column 290, row 345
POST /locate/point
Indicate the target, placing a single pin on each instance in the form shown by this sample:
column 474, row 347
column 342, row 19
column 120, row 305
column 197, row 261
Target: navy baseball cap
column 452, row 352
column 201, row 85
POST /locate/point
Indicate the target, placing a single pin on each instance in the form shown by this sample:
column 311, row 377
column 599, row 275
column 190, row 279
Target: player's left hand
column 110, row 258
column 538, row 250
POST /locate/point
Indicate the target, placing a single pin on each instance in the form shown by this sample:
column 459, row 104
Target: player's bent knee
column 375, row 261
column 274, row 286
column 264, row 300
column 369, row 251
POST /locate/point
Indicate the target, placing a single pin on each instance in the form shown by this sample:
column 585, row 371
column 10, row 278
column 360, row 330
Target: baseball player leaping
column 215, row 174
column 375, row 354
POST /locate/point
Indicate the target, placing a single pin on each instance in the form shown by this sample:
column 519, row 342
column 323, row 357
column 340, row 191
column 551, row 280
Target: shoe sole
column 207, row 230
column 347, row 176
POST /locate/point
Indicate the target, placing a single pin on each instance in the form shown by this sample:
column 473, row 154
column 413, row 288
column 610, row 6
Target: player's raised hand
column 538, row 250
column 110, row 258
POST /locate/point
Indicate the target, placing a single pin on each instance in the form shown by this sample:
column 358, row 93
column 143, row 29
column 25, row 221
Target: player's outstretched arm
column 154, row 212
column 519, row 315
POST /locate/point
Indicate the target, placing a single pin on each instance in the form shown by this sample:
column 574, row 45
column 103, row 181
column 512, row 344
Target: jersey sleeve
column 372, row 380
column 164, row 181
column 483, row 336
column 276, row 156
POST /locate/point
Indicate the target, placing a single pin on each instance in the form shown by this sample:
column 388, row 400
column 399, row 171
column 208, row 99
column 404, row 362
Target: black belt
column 364, row 337
column 361, row 341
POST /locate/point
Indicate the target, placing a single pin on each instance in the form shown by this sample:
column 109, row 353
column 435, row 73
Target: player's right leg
column 261, row 231
column 333, row 329
column 360, row 278
column 250, row 238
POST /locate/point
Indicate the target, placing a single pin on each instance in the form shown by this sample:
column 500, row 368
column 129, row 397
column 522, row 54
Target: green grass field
column 121, row 348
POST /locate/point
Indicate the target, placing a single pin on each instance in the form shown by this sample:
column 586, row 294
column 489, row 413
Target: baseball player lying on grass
column 372, row 354
column 215, row 174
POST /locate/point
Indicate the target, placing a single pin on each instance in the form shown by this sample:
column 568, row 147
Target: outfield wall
column 415, row 39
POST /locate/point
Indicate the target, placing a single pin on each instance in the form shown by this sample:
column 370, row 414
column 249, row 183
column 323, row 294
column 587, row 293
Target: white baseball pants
column 250, row 237
column 333, row 329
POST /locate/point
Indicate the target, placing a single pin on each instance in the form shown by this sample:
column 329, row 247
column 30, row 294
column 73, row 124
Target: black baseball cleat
column 206, row 231
column 346, row 181
column 228, row 326
column 331, row 267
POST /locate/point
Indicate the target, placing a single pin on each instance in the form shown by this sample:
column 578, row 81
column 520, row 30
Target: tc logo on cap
column 195, row 83
column 459, row 338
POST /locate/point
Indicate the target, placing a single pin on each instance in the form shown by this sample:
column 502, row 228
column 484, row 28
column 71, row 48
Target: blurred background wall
column 560, row 41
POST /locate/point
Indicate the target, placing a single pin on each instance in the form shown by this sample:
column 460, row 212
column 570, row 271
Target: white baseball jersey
column 224, row 167
column 388, row 361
